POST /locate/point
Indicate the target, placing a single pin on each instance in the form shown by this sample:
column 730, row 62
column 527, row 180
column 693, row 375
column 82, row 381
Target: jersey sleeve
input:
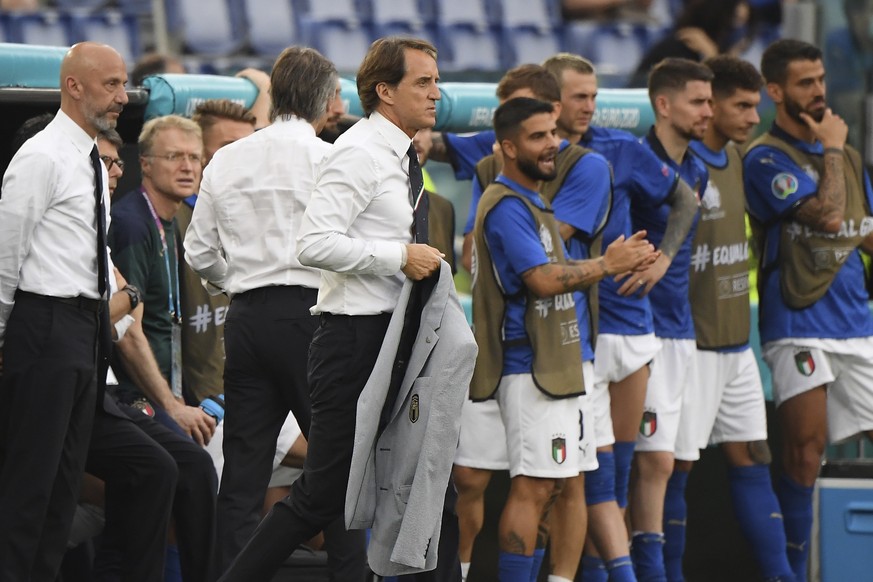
column 652, row 181
column 474, row 204
column 513, row 242
column 465, row 150
column 583, row 199
column 774, row 184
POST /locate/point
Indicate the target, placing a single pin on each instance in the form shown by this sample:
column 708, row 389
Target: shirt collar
column 80, row 139
column 809, row 148
column 712, row 158
column 660, row 151
column 509, row 182
column 293, row 123
column 395, row 136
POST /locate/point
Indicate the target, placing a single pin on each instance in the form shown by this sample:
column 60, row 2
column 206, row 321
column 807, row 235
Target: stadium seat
column 528, row 13
column 270, row 31
column 109, row 27
column 616, row 48
column 524, row 44
column 472, row 13
column 207, row 27
column 136, row 7
column 390, row 12
column 348, row 12
column 47, row 27
column 344, row 44
column 469, row 49
column 76, row 4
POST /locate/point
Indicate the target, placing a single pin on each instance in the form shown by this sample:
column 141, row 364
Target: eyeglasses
column 177, row 157
column 108, row 161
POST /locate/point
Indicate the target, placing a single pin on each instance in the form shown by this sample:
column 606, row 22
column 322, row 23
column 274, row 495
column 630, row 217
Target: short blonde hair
column 154, row 126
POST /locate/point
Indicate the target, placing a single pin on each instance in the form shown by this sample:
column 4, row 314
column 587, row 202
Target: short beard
column 532, row 171
column 793, row 109
column 102, row 123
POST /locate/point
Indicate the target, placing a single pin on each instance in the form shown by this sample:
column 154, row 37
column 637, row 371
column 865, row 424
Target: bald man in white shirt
column 53, row 290
column 357, row 228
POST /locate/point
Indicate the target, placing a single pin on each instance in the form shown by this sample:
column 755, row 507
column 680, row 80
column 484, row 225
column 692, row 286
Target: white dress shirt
column 48, row 231
column 243, row 232
column 359, row 220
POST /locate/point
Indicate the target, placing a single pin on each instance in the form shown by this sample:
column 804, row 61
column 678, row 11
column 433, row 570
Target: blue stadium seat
column 270, row 31
column 473, row 13
column 137, row 7
column 524, row 44
column 47, row 27
column 207, row 27
column 528, row 13
column 109, row 27
column 406, row 14
column 470, row 49
column 344, row 44
column 76, row 4
column 348, row 12
column 616, row 48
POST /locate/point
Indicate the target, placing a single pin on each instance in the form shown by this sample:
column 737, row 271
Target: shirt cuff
column 405, row 256
column 389, row 258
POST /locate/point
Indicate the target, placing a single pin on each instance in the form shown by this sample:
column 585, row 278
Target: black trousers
column 140, row 477
column 48, row 389
column 267, row 336
column 342, row 355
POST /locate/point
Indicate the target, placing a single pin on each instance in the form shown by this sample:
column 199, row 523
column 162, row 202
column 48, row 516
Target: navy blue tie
column 418, row 198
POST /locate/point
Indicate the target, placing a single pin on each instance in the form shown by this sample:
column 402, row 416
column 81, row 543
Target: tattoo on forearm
column 830, row 202
column 576, row 275
column 683, row 208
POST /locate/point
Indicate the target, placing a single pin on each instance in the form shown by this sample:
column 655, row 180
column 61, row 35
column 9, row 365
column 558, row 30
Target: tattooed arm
column 622, row 255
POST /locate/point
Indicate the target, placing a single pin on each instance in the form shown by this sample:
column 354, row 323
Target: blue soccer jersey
column 670, row 307
column 466, row 149
column 775, row 187
column 639, row 178
column 583, row 202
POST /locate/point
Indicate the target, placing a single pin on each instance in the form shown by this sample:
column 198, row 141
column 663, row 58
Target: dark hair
column 534, row 77
column 385, row 62
column 673, row 74
column 509, row 116
column 302, row 83
column 111, row 136
column 151, row 64
column 30, row 128
column 731, row 74
column 780, row 54
column 716, row 19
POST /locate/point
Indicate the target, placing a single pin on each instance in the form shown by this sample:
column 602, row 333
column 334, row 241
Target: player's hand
column 831, row 131
column 697, row 40
column 196, row 423
column 629, row 254
column 421, row 261
column 256, row 76
column 641, row 281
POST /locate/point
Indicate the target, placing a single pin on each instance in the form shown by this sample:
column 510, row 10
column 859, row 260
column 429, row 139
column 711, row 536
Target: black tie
column 418, row 198
column 102, row 263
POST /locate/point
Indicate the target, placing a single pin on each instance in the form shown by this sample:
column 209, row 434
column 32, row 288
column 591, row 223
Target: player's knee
column 654, row 466
column 759, row 452
column 803, row 459
column 470, row 482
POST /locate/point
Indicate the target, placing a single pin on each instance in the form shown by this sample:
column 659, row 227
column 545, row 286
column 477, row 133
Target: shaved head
column 92, row 86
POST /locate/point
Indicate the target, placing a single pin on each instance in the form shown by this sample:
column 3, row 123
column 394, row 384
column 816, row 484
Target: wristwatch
column 134, row 294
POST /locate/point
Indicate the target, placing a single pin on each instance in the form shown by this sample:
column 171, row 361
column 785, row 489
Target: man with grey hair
column 242, row 241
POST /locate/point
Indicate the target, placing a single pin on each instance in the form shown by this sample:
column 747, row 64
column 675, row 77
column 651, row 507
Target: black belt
column 278, row 291
column 83, row 303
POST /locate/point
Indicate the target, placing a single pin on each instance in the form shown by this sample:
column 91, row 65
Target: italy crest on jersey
column 649, row 424
column 559, row 449
column 805, row 363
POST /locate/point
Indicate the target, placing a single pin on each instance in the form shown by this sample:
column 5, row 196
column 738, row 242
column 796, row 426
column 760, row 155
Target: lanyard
column 174, row 307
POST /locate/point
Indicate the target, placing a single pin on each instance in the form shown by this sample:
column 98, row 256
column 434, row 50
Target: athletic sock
column 675, row 516
column 621, row 570
column 796, row 502
column 600, row 483
column 624, row 455
column 538, row 555
column 647, row 552
column 593, row 570
column 760, row 518
column 514, row 567
column 465, row 569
